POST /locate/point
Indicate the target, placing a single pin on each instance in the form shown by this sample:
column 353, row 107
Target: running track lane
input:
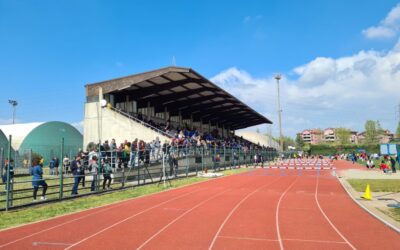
column 145, row 231
column 197, row 224
column 74, row 227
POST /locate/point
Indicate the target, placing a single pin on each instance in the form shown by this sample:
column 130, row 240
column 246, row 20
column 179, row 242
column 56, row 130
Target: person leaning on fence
column 93, row 168
column 37, row 179
column 107, row 170
column 77, row 172
column 10, row 165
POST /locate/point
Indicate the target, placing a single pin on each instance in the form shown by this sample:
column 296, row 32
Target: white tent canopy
column 18, row 132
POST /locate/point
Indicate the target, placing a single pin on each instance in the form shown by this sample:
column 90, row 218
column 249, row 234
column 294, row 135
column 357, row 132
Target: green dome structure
column 43, row 138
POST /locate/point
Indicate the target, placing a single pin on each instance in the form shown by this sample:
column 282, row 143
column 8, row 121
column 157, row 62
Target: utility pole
column 278, row 77
column 14, row 104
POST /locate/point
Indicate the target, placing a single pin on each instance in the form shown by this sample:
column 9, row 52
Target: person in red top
column 384, row 167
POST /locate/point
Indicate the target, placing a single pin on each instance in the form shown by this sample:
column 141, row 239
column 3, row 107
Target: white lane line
column 326, row 217
column 265, row 239
column 35, row 243
column 176, row 219
column 108, row 207
column 245, row 238
column 130, row 217
column 277, row 214
column 317, row 241
column 58, row 225
column 235, row 208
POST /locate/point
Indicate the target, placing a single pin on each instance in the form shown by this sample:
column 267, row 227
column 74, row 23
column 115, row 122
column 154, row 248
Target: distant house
column 385, row 137
column 312, row 136
column 329, row 135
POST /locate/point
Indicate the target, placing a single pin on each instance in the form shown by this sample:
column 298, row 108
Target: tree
column 343, row 136
column 398, row 131
column 372, row 131
column 299, row 141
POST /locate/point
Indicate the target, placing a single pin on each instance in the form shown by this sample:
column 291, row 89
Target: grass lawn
column 375, row 185
column 26, row 215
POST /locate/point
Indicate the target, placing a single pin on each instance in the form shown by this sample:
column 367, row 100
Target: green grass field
column 31, row 214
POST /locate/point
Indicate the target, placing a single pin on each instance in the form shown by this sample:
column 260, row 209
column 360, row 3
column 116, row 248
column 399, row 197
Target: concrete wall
column 257, row 138
column 113, row 125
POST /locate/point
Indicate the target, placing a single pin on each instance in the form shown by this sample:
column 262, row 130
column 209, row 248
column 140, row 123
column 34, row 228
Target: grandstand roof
column 184, row 91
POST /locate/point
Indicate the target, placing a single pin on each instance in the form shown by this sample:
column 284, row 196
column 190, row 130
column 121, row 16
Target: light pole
column 13, row 103
column 278, row 77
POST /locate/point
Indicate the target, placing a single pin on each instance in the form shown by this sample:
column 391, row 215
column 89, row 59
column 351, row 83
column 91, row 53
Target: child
column 384, row 167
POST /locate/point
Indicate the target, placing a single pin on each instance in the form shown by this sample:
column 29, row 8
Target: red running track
column 262, row 209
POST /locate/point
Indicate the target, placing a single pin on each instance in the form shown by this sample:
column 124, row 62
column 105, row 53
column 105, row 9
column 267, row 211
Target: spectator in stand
column 37, row 179
column 126, row 153
column 107, row 170
column 106, row 146
column 93, row 168
column 393, row 164
column 142, row 148
column 157, row 148
column 384, row 167
column 77, row 172
column 134, row 147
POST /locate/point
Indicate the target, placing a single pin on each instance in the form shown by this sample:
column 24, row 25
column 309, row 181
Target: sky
column 339, row 59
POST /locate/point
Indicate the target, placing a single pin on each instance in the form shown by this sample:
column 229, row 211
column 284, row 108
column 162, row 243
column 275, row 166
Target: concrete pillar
column 148, row 111
column 191, row 122
column 180, row 119
column 201, row 126
column 165, row 115
column 127, row 103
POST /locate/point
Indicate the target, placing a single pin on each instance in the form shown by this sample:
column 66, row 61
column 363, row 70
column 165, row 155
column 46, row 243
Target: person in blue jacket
column 37, row 179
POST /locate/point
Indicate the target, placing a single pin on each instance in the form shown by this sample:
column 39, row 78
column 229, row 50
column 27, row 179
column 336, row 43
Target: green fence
column 146, row 167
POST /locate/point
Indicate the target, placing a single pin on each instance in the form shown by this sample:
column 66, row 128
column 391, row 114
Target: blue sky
column 50, row 49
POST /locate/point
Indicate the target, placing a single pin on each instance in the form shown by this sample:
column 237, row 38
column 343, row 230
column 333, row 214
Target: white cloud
column 249, row 19
column 387, row 28
column 325, row 92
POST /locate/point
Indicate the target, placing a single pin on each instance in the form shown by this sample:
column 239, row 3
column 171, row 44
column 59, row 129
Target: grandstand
column 155, row 103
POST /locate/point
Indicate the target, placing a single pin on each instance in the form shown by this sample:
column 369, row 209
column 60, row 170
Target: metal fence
column 128, row 170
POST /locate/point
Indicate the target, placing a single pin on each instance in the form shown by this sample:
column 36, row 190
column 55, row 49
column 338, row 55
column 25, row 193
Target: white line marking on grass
column 130, row 217
column 326, row 217
column 277, row 214
column 235, row 208
column 176, row 219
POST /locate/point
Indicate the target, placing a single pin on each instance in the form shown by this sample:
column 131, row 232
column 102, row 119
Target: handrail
column 141, row 122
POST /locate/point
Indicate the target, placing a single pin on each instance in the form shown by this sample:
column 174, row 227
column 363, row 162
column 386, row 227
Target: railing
column 140, row 121
column 139, row 168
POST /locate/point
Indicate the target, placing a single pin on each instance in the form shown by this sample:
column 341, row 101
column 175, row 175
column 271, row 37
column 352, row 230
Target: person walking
column 37, row 179
column 393, row 164
column 93, row 168
column 107, row 170
column 76, row 169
